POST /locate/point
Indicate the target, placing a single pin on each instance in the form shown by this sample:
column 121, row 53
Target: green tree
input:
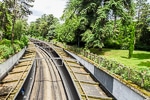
column 32, row 30
column 65, row 31
column 5, row 21
column 142, row 24
column 96, row 17
column 143, row 12
column 18, row 9
column 20, row 29
column 132, row 39
column 43, row 26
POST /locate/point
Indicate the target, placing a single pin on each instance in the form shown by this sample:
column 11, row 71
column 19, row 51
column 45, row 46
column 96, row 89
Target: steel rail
column 50, row 65
column 19, row 80
column 82, row 81
column 15, row 84
column 67, row 65
column 53, row 74
column 83, row 94
column 41, row 83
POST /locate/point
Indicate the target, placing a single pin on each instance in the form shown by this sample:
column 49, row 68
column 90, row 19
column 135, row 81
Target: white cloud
column 41, row 7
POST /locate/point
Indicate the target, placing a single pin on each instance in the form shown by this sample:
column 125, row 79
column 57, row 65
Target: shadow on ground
column 141, row 56
column 147, row 63
column 124, row 57
column 99, row 51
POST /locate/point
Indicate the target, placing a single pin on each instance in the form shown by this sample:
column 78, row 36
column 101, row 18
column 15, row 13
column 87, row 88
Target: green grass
column 139, row 59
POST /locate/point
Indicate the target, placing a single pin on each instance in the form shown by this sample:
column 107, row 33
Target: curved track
column 48, row 84
column 87, row 87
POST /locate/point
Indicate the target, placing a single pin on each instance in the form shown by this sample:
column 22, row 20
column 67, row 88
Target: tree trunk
column 132, row 39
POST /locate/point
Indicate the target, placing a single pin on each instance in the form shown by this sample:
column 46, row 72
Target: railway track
column 87, row 87
column 48, row 84
column 13, row 82
column 68, row 81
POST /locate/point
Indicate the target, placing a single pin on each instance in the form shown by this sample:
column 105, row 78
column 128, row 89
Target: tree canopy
column 43, row 27
column 120, row 24
column 13, row 26
column 97, row 19
column 11, row 12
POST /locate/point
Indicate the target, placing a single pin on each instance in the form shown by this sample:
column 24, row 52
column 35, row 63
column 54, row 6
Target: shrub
column 5, row 51
column 40, row 38
column 110, row 43
column 20, row 43
column 5, row 42
column 17, row 47
column 25, row 40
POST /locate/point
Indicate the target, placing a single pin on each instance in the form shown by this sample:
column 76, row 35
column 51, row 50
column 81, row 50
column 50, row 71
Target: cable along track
column 87, row 87
column 12, row 83
column 48, row 84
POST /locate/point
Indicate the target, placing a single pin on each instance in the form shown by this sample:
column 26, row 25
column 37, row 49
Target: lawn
column 139, row 59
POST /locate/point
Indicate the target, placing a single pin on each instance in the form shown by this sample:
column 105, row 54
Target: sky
column 41, row 7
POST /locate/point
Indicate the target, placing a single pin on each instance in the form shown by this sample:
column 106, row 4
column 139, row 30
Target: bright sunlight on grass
column 139, row 59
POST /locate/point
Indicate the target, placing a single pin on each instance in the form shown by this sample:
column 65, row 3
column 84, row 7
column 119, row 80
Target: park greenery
column 117, row 24
column 13, row 26
column 120, row 25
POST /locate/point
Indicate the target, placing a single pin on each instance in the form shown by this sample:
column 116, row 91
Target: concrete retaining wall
column 8, row 64
column 119, row 90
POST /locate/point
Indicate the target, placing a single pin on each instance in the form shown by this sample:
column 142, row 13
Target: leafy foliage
column 132, row 39
column 5, row 42
column 65, row 32
column 5, row 51
column 43, row 26
column 25, row 40
column 19, row 29
column 20, row 43
column 5, row 20
column 142, row 25
column 96, row 19
column 12, row 18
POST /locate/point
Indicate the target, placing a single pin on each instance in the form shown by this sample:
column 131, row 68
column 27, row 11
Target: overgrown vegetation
column 13, row 26
column 7, row 49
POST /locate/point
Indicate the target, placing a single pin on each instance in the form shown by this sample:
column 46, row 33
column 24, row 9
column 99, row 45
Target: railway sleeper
column 17, row 72
column 87, row 87
column 99, row 98
column 93, row 83
column 9, row 81
column 79, row 82
column 80, row 73
column 4, row 94
column 25, row 59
